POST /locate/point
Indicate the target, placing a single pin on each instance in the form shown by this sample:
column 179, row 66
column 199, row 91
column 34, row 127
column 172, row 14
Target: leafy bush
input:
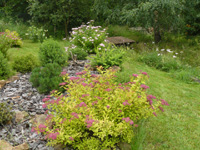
column 51, row 52
column 107, row 57
column 47, row 78
column 25, row 63
column 36, row 34
column 5, row 113
column 5, row 44
column 14, row 38
column 97, row 113
column 88, row 37
column 78, row 52
column 4, row 67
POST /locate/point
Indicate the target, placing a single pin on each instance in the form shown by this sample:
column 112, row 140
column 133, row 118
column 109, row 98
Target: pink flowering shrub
column 9, row 39
column 88, row 37
column 98, row 113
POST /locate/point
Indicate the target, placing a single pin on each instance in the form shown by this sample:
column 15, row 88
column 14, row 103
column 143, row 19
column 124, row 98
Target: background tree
column 15, row 9
column 60, row 13
column 159, row 14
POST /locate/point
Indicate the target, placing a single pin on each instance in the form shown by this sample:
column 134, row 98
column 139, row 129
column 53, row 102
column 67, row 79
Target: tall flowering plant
column 88, row 37
column 97, row 112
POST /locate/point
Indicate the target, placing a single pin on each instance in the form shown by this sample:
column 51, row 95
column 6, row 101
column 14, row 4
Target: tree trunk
column 157, row 35
column 66, row 22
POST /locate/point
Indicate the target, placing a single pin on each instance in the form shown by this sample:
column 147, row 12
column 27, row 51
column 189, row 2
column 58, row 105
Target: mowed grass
column 178, row 127
column 29, row 48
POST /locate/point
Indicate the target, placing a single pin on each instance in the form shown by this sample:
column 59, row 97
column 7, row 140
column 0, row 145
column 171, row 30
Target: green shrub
column 25, row 63
column 107, row 57
column 151, row 59
column 36, row 34
column 98, row 113
column 88, row 37
column 47, row 78
column 78, row 52
column 5, row 113
column 4, row 67
column 187, row 75
column 164, row 62
column 169, row 63
column 51, row 52
column 14, row 38
column 5, row 44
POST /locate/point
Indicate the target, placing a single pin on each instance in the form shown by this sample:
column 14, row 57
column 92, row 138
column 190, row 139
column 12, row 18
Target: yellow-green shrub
column 97, row 113
column 14, row 38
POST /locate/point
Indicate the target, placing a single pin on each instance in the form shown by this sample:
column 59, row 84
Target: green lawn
column 178, row 128
column 29, row 48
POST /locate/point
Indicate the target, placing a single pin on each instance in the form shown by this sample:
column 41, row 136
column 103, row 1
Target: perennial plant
column 97, row 112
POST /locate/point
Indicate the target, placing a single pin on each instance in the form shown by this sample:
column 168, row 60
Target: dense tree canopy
column 62, row 15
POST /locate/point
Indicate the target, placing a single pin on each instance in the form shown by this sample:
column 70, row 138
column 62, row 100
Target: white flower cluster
column 169, row 51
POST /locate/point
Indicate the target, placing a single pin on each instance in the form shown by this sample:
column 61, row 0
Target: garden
column 70, row 88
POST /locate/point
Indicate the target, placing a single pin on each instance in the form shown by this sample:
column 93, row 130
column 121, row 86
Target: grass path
column 178, row 128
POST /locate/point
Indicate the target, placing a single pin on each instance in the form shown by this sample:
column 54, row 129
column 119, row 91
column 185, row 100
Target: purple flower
column 144, row 86
column 108, row 106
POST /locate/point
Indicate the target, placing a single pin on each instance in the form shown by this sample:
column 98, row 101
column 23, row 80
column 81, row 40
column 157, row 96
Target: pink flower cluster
column 42, row 127
column 82, row 104
column 149, row 99
column 63, row 73
column 89, row 121
column 95, row 102
column 81, row 73
column 108, row 90
column 144, row 86
column 126, row 103
column 63, row 83
column 75, row 115
column 128, row 120
column 52, row 136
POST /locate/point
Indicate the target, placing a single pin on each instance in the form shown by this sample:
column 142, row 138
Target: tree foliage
column 59, row 12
